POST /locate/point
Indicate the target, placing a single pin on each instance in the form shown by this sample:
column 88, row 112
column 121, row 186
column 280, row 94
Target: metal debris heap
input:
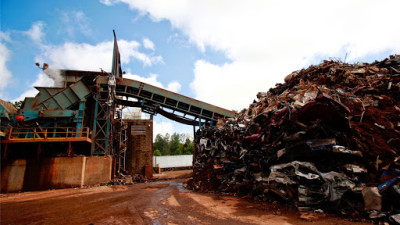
column 321, row 140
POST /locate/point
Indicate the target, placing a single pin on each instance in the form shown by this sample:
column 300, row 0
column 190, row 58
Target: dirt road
column 160, row 202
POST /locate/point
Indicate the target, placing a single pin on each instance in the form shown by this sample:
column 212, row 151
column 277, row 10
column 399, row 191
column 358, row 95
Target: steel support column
column 79, row 118
column 101, row 127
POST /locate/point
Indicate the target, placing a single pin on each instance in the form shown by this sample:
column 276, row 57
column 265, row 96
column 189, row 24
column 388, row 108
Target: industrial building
column 73, row 134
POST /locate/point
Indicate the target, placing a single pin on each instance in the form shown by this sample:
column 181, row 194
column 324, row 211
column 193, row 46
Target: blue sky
column 95, row 24
column 220, row 52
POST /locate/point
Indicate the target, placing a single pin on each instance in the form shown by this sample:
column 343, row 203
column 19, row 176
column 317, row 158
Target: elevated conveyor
column 157, row 100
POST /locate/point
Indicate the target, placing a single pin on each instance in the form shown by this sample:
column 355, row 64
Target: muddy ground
column 163, row 201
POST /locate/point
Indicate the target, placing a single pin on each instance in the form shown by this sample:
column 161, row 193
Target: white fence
column 173, row 161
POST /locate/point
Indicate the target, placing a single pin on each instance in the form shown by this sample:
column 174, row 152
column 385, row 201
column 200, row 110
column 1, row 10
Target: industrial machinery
column 83, row 115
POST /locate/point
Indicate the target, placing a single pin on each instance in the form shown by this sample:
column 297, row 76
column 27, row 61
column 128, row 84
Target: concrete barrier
column 12, row 175
column 59, row 172
column 172, row 161
column 97, row 170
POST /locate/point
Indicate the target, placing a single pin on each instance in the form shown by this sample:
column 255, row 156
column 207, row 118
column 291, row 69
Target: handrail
column 38, row 133
column 5, row 129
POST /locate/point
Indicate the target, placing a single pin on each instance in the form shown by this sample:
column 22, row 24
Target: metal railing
column 48, row 133
column 4, row 129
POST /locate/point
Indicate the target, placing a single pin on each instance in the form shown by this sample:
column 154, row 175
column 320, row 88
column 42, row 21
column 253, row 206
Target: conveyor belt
column 153, row 99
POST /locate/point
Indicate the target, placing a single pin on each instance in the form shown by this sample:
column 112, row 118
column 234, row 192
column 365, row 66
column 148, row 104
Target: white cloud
column 147, row 43
column 174, row 86
column 106, row 2
column 75, row 21
column 36, row 32
column 5, row 74
column 266, row 40
column 162, row 127
column 42, row 80
column 5, row 36
column 80, row 56
column 85, row 56
column 152, row 79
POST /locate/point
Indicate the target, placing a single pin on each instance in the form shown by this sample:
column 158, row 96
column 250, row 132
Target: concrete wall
column 56, row 173
column 60, row 172
column 173, row 161
column 98, row 170
column 12, row 175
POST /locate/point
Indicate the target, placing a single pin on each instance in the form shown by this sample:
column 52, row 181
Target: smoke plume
column 55, row 74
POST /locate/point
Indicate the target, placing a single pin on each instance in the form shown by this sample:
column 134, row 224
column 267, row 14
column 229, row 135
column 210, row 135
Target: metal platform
column 48, row 134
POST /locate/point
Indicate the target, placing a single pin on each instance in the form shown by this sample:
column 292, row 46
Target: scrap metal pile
column 321, row 140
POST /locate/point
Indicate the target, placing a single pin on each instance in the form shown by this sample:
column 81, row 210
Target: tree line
column 175, row 144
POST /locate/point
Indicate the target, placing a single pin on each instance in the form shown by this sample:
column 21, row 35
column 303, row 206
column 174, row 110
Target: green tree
column 161, row 143
column 180, row 149
column 188, row 147
column 157, row 153
column 174, row 144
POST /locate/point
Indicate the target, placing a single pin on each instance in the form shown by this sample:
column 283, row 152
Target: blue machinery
column 82, row 116
column 80, row 112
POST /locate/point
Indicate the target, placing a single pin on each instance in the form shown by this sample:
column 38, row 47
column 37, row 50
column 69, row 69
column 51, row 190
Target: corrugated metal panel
column 63, row 99
column 9, row 107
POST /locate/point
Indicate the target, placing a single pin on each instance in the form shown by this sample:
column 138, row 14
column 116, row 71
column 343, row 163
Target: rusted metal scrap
column 320, row 137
